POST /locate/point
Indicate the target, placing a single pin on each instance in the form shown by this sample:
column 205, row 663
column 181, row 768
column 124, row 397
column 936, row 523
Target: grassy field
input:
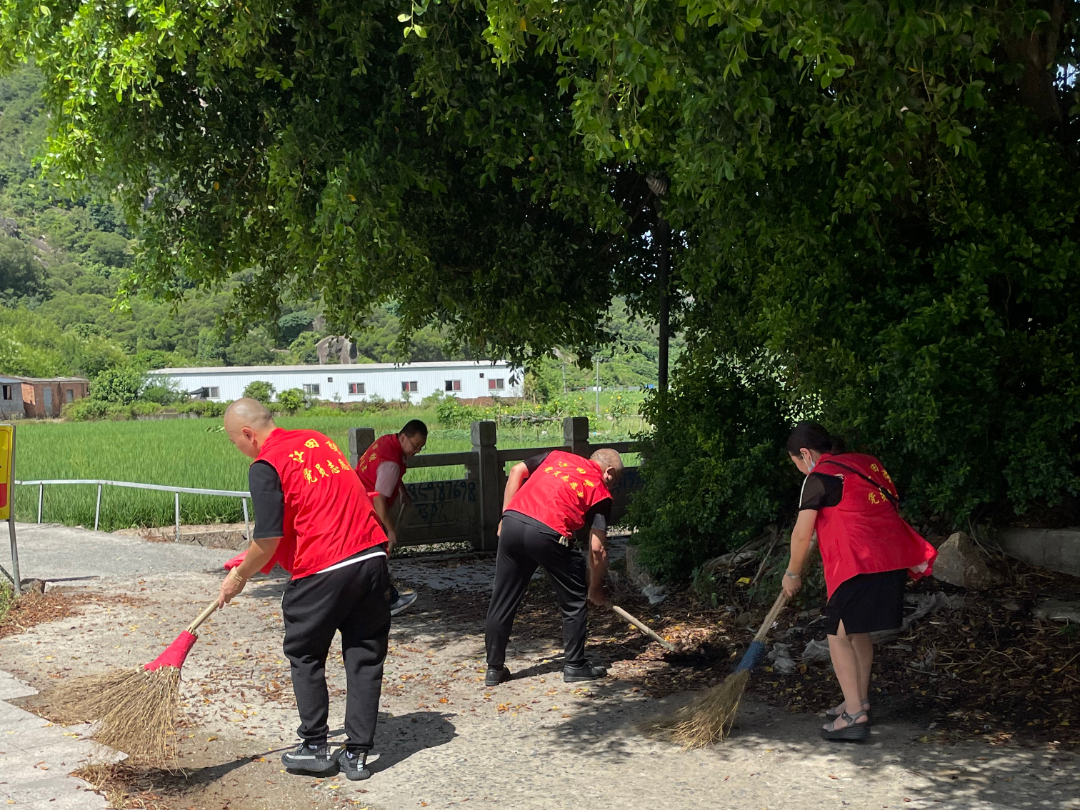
column 192, row 453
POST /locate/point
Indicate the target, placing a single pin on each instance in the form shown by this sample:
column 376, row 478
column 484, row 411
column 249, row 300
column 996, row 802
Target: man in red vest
column 380, row 470
column 548, row 497
column 313, row 517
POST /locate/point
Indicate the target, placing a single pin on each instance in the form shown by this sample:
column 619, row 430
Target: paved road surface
column 445, row 740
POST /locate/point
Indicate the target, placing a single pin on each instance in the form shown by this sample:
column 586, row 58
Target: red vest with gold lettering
column 328, row 515
column 864, row 533
column 561, row 491
column 384, row 448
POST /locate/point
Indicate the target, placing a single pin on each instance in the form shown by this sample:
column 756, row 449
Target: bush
column 145, row 408
column 85, row 410
column 291, row 400
column 262, row 391
column 452, row 413
column 203, row 407
column 715, row 472
column 120, row 386
column 162, row 394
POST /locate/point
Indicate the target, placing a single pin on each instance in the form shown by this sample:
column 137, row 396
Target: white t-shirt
column 387, row 478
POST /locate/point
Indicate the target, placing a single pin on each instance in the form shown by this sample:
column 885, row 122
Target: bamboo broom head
column 707, row 718
column 136, row 710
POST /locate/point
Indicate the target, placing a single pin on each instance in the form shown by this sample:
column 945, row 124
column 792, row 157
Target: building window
column 356, row 388
column 453, row 385
column 69, row 394
column 409, row 386
column 329, row 379
column 213, row 393
column 496, row 384
column 312, row 388
column 7, row 392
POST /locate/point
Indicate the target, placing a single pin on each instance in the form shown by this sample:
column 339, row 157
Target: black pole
column 663, row 243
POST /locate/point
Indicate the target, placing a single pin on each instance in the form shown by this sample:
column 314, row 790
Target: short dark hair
column 412, row 427
column 812, row 436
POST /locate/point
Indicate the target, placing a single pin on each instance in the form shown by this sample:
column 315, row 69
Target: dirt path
column 447, row 741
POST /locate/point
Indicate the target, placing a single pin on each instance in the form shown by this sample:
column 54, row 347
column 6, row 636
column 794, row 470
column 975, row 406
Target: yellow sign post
column 7, row 497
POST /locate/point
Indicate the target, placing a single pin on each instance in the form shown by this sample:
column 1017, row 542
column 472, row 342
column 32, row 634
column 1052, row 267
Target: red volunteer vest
column 328, row 516
column 864, row 534
column 561, row 491
column 385, row 448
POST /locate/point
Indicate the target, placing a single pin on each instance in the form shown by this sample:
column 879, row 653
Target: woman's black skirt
column 867, row 603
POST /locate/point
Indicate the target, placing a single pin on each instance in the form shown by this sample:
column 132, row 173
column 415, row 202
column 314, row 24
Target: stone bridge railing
column 468, row 509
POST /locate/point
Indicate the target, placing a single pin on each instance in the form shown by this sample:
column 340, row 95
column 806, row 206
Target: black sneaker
column 355, row 765
column 496, row 676
column 402, row 601
column 586, row 672
column 311, row 759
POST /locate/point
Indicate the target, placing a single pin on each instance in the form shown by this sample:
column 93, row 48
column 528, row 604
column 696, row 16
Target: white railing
column 177, row 492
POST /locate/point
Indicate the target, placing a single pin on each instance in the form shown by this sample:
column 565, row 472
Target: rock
column 637, row 573
column 8, row 227
column 960, row 563
column 744, row 619
column 1058, row 611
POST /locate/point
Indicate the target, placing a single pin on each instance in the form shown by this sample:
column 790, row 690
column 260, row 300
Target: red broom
column 136, row 708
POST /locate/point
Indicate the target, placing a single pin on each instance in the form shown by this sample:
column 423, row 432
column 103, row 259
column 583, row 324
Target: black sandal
column 832, row 716
column 852, row 732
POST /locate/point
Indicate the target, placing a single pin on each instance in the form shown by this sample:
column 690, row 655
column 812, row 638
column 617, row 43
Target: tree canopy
column 874, row 205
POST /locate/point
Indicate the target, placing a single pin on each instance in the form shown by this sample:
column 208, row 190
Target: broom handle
column 206, row 614
column 780, row 603
column 643, row 628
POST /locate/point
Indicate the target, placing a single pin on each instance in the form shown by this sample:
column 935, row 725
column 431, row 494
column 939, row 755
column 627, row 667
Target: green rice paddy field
column 188, row 453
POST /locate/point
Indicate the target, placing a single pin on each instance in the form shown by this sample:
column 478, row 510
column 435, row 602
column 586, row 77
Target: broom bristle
column 136, row 708
column 707, row 718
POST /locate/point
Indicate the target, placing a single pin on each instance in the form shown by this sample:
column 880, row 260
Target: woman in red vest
column 868, row 551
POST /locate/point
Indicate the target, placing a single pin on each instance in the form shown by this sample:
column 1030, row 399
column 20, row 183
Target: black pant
column 523, row 546
column 354, row 600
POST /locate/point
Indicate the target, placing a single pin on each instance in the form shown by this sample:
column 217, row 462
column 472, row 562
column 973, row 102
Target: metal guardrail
column 101, row 483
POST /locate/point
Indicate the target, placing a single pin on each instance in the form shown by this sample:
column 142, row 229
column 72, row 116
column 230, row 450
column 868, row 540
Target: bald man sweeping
column 313, row 517
column 547, row 498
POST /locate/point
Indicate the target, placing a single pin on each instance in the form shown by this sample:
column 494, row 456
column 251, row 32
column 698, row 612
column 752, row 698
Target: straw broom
column 709, row 717
column 136, row 708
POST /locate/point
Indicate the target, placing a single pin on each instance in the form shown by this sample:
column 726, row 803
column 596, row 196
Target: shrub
column 85, row 410
column 715, row 471
column 203, row 407
column 452, row 413
column 162, row 394
column 262, row 391
column 120, row 385
column 291, row 400
column 145, row 408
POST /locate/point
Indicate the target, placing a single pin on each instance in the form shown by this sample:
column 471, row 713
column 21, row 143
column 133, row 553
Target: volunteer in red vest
column 381, row 468
column 868, row 550
column 313, row 517
column 548, row 497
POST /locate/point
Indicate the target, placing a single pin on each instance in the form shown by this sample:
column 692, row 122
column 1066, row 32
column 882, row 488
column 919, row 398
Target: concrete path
column 445, row 740
column 36, row 757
